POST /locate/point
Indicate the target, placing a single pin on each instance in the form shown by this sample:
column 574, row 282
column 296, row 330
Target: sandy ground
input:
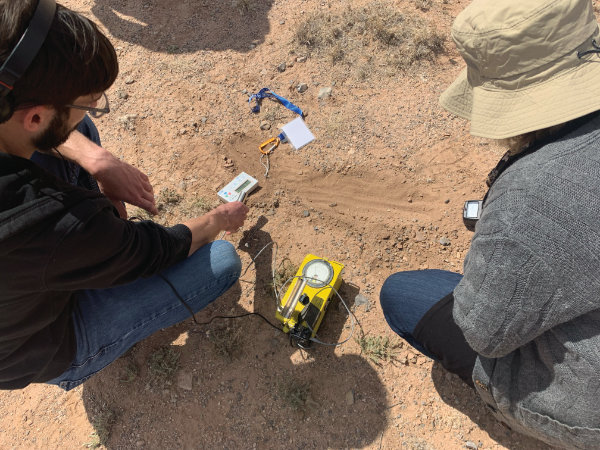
column 380, row 190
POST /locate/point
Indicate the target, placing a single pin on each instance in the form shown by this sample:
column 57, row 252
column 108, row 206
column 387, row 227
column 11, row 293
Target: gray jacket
column 529, row 302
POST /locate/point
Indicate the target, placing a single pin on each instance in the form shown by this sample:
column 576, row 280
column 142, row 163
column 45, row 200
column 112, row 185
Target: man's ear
column 37, row 118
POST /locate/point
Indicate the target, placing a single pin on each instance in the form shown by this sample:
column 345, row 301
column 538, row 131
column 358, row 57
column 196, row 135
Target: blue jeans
column 110, row 321
column 406, row 296
column 418, row 307
column 107, row 322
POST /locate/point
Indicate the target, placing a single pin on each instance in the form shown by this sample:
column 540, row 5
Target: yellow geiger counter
column 302, row 308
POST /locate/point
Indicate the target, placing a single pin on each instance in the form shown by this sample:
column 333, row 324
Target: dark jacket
column 56, row 239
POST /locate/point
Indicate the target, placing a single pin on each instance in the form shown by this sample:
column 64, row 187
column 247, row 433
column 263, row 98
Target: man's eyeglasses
column 95, row 112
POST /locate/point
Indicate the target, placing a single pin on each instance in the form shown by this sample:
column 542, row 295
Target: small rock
column 282, row 22
column 265, row 125
column 361, row 300
column 350, row 398
column 128, row 121
column 471, row 445
column 281, row 67
column 445, row 241
column 123, row 95
column 301, row 59
column 447, row 201
column 324, row 92
column 185, row 380
column 333, row 205
column 140, row 444
column 129, row 80
column 302, row 87
column 419, row 237
column 306, row 213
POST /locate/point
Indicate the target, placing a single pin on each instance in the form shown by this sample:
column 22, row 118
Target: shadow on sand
column 188, row 25
column 458, row 395
column 252, row 391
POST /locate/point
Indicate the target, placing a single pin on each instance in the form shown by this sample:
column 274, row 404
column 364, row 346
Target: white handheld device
column 238, row 188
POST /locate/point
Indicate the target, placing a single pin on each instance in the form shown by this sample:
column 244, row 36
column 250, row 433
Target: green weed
column 102, row 423
column 167, row 198
column 377, row 34
column 195, row 206
column 162, row 365
column 379, row 349
column 227, row 341
column 285, row 271
column 130, row 373
column 294, row 393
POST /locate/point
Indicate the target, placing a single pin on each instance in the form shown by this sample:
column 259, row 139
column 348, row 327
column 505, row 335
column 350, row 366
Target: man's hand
column 226, row 217
column 119, row 181
column 233, row 215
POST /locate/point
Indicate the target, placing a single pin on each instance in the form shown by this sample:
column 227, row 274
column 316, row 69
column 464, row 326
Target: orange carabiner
column 274, row 144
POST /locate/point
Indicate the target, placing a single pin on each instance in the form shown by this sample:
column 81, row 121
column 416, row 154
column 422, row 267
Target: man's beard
column 57, row 133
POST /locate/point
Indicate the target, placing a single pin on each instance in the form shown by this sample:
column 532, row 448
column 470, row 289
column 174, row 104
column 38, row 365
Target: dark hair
column 76, row 58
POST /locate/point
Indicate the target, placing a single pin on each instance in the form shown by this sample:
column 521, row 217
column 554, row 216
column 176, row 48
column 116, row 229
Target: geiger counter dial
column 318, row 273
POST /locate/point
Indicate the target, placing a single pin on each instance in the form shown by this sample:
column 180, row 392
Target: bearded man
column 80, row 284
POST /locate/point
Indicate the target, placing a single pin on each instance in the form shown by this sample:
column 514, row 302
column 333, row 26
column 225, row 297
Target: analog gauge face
column 318, row 273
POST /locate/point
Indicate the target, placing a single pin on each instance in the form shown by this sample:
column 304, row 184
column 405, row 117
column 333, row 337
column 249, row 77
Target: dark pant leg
column 412, row 307
column 441, row 337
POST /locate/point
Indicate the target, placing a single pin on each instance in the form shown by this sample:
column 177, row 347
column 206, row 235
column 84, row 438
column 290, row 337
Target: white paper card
column 297, row 133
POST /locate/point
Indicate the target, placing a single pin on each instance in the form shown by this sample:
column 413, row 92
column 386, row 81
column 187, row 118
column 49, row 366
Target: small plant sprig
column 294, row 393
column 162, row 365
column 102, row 423
column 379, row 349
column 228, row 342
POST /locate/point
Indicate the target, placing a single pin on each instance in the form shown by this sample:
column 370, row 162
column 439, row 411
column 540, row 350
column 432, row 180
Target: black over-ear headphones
column 23, row 54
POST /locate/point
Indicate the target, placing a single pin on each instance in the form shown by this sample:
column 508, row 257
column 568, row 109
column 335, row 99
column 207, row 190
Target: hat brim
column 497, row 114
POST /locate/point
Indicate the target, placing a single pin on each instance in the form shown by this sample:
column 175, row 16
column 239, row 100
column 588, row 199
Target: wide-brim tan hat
column 530, row 65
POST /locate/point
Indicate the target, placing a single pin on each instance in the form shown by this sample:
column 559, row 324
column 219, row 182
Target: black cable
column 68, row 166
column 193, row 315
column 237, row 317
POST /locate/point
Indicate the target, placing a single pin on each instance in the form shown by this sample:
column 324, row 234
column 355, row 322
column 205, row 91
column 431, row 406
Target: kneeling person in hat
column 523, row 323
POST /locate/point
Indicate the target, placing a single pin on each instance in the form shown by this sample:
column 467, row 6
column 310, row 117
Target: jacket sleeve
column 97, row 249
column 509, row 297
